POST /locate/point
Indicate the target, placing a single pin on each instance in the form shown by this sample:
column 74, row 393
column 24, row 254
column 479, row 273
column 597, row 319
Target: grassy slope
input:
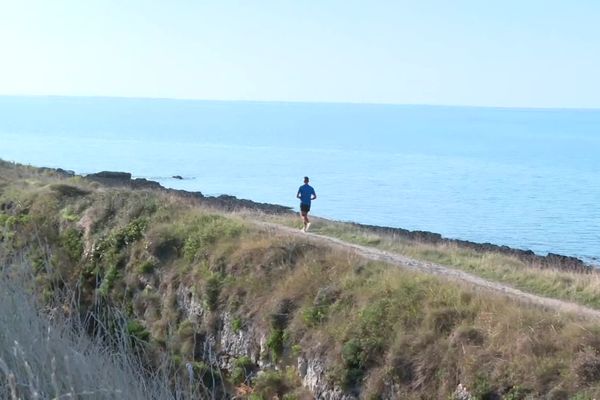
column 378, row 326
column 582, row 288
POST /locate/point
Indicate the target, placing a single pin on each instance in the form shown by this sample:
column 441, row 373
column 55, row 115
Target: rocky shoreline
column 232, row 203
column 551, row 260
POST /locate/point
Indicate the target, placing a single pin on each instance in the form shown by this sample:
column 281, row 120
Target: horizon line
column 310, row 102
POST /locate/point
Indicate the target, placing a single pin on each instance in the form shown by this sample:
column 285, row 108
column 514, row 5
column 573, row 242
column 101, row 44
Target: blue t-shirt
column 306, row 191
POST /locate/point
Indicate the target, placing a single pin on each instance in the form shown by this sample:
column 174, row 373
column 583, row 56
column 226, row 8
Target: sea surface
column 526, row 178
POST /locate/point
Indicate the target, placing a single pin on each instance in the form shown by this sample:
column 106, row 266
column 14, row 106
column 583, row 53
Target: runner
column 306, row 194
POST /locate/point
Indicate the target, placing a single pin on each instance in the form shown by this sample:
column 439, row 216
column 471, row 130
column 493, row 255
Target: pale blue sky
column 528, row 53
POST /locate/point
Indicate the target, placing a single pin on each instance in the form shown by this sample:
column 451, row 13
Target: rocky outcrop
column 313, row 372
column 227, row 343
column 237, row 343
column 111, row 178
column 58, row 171
column 461, row 393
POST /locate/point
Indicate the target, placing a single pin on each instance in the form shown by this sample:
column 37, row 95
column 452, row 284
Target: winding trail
column 440, row 270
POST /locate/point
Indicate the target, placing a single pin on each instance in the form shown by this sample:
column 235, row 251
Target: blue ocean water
column 525, row 178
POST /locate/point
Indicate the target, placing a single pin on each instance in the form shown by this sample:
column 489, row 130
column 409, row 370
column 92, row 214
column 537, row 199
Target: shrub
column 186, row 335
column 212, row 289
column 129, row 233
column 317, row 313
column 354, row 358
column 516, row 393
column 205, row 230
column 109, row 279
column 296, row 350
column 236, row 324
column 147, row 266
column 482, row 388
column 137, row 331
column 314, row 315
column 242, row 367
column 275, row 384
column 68, row 215
column 70, row 240
column 275, row 343
column 191, row 247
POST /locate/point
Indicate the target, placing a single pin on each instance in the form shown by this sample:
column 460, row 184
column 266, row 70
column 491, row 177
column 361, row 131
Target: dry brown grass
column 582, row 288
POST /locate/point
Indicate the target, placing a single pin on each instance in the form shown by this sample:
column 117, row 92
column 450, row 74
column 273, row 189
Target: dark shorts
column 304, row 207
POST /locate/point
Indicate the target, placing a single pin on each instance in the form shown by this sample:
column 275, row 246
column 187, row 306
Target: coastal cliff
column 253, row 312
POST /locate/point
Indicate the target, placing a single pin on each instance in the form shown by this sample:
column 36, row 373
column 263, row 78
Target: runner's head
column 306, row 179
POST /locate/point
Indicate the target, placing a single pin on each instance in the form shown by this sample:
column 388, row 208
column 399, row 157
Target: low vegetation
column 578, row 287
column 56, row 359
column 178, row 270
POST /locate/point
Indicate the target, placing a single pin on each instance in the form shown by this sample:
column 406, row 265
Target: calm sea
column 525, row 178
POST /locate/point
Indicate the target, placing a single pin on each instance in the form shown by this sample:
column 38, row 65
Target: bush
column 212, row 289
column 236, row 325
column 205, row 230
column 517, row 393
column 137, row 332
column 186, row 335
column 355, row 359
column 109, row 279
column 129, row 234
column 314, row 315
column 147, row 267
column 482, row 388
column 242, row 367
column 70, row 240
column 275, row 384
column 275, row 343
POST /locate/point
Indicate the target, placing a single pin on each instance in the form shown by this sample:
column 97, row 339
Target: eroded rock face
column 314, row 377
column 229, row 342
column 236, row 343
column 192, row 307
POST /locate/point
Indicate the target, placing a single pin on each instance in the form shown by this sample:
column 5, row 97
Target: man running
column 306, row 194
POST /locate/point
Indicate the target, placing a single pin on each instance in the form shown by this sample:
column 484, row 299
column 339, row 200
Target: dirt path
column 437, row 269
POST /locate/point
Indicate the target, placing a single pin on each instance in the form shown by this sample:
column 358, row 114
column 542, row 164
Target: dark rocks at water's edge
column 550, row 260
column 111, row 178
column 225, row 202
column 111, row 175
column 232, row 203
column 65, row 173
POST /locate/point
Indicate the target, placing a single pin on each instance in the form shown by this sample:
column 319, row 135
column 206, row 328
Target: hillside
column 237, row 300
